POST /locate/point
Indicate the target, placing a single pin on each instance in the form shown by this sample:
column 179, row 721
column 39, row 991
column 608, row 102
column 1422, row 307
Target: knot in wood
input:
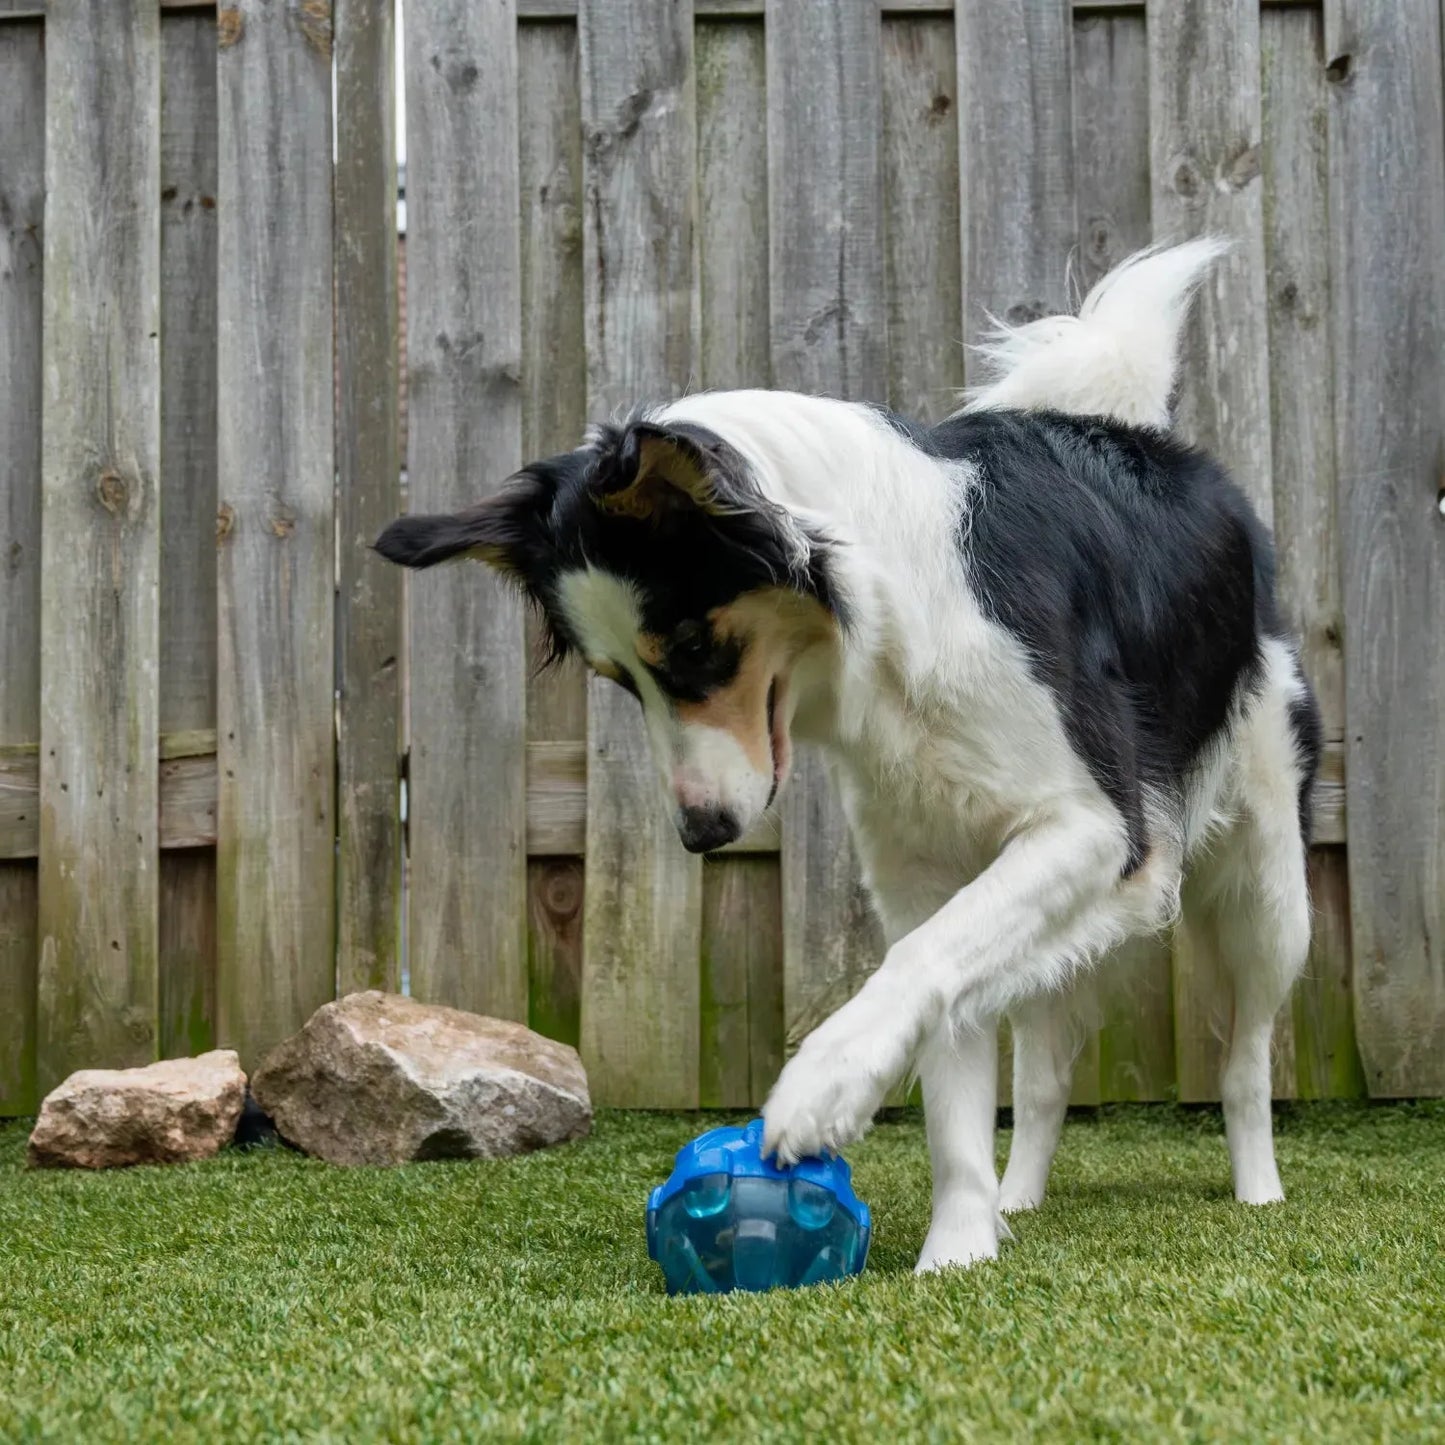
column 315, row 21
column 225, row 521
column 113, row 491
column 1186, row 180
column 230, row 24
column 1238, row 172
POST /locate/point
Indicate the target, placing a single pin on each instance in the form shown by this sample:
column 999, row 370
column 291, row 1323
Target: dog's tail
column 1118, row 357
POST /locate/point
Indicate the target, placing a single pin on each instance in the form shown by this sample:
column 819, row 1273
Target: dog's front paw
column 825, row 1097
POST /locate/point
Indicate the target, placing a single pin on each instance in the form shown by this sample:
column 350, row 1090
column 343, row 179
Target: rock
column 376, row 1078
column 166, row 1113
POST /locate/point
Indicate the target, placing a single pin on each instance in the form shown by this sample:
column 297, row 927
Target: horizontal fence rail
column 246, row 766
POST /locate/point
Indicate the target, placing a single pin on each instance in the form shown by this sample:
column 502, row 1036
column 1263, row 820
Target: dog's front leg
column 1046, row 902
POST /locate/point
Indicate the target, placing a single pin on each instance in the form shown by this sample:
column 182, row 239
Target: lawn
column 262, row 1295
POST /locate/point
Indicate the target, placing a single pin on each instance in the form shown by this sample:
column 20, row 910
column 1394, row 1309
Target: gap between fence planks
column 276, row 847
column 642, row 914
column 100, row 540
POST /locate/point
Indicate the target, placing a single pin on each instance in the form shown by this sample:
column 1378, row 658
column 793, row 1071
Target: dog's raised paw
column 820, row 1104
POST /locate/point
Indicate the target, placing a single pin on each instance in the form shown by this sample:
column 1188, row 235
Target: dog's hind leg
column 960, row 1098
column 1253, row 894
column 1046, row 1040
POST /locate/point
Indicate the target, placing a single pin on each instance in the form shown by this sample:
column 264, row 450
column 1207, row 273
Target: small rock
column 165, row 1113
column 378, row 1078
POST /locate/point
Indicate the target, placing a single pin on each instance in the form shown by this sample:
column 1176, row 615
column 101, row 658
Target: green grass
column 263, row 1295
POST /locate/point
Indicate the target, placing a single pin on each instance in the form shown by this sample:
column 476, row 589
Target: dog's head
column 653, row 553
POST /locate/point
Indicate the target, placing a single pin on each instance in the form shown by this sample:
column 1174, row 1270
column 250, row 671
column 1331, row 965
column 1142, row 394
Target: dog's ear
column 654, row 471
column 508, row 531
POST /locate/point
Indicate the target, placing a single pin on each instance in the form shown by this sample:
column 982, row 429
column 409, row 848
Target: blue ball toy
column 729, row 1219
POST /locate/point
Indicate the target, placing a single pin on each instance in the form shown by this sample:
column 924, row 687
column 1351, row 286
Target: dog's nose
column 706, row 828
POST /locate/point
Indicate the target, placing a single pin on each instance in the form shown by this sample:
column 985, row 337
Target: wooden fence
column 204, row 673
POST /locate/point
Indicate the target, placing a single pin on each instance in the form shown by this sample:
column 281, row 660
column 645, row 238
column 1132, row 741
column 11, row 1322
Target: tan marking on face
column 774, row 626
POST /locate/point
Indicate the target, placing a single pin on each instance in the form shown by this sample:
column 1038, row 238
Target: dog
column 1039, row 644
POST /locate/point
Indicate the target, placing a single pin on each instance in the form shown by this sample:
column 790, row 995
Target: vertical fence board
column 22, row 216
column 554, row 413
column 275, row 736
column 554, row 361
column 1015, row 158
column 742, row 997
column 1327, row 1059
column 1205, row 139
column 467, row 793
column 187, row 930
column 1387, row 269
column 741, row 1011
column 368, row 857
column 920, row 180
column 825, row 226
column 100, row 539
column 642, row 912
column 1296, row 198
column 1111, row 177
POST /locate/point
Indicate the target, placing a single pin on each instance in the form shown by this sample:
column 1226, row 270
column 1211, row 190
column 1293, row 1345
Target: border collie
column 1039, row 644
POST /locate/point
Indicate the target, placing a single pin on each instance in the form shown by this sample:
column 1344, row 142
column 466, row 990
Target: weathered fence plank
column 741, row 924
column 1387, row 270
column 920, row 188
column 1111, row 180
column 825, row 226
column 1296, row 200
column 22, row 220
column 742, row 1001
column 188, row 501
column 1015, row 159
column 466, row 797
column 369, row 589
column 642, row 916
column 100, row 539
column 1327, row 1058
column 276, row 852
column 554, row 414
column 1205, row 138
column 554, row 358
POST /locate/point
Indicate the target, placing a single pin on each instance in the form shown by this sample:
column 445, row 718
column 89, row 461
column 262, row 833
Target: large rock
column 166, row 1113
column 376, row 1078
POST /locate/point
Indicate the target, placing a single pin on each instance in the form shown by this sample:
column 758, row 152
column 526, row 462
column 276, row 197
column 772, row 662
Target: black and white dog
column 1039, row 643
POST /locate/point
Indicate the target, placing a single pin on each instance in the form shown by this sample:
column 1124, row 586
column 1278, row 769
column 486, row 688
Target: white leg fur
column 960, row 1099
column 1050, row 901
column 1045, row 1046
column 1255, row 895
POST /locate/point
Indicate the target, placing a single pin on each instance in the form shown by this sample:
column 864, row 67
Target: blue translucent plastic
column 729, row 1219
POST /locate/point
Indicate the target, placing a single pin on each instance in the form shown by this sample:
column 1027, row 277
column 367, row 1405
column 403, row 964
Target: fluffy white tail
column 1118, row 357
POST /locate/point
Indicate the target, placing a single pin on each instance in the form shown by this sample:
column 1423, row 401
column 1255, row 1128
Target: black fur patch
column 684, row 560
column 1136, row 576
column 1309, row 740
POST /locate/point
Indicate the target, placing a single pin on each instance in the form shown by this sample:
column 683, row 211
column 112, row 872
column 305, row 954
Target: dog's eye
column 688, row 644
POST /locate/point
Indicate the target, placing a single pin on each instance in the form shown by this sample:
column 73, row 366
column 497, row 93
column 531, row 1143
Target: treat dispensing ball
column 729, row 1219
